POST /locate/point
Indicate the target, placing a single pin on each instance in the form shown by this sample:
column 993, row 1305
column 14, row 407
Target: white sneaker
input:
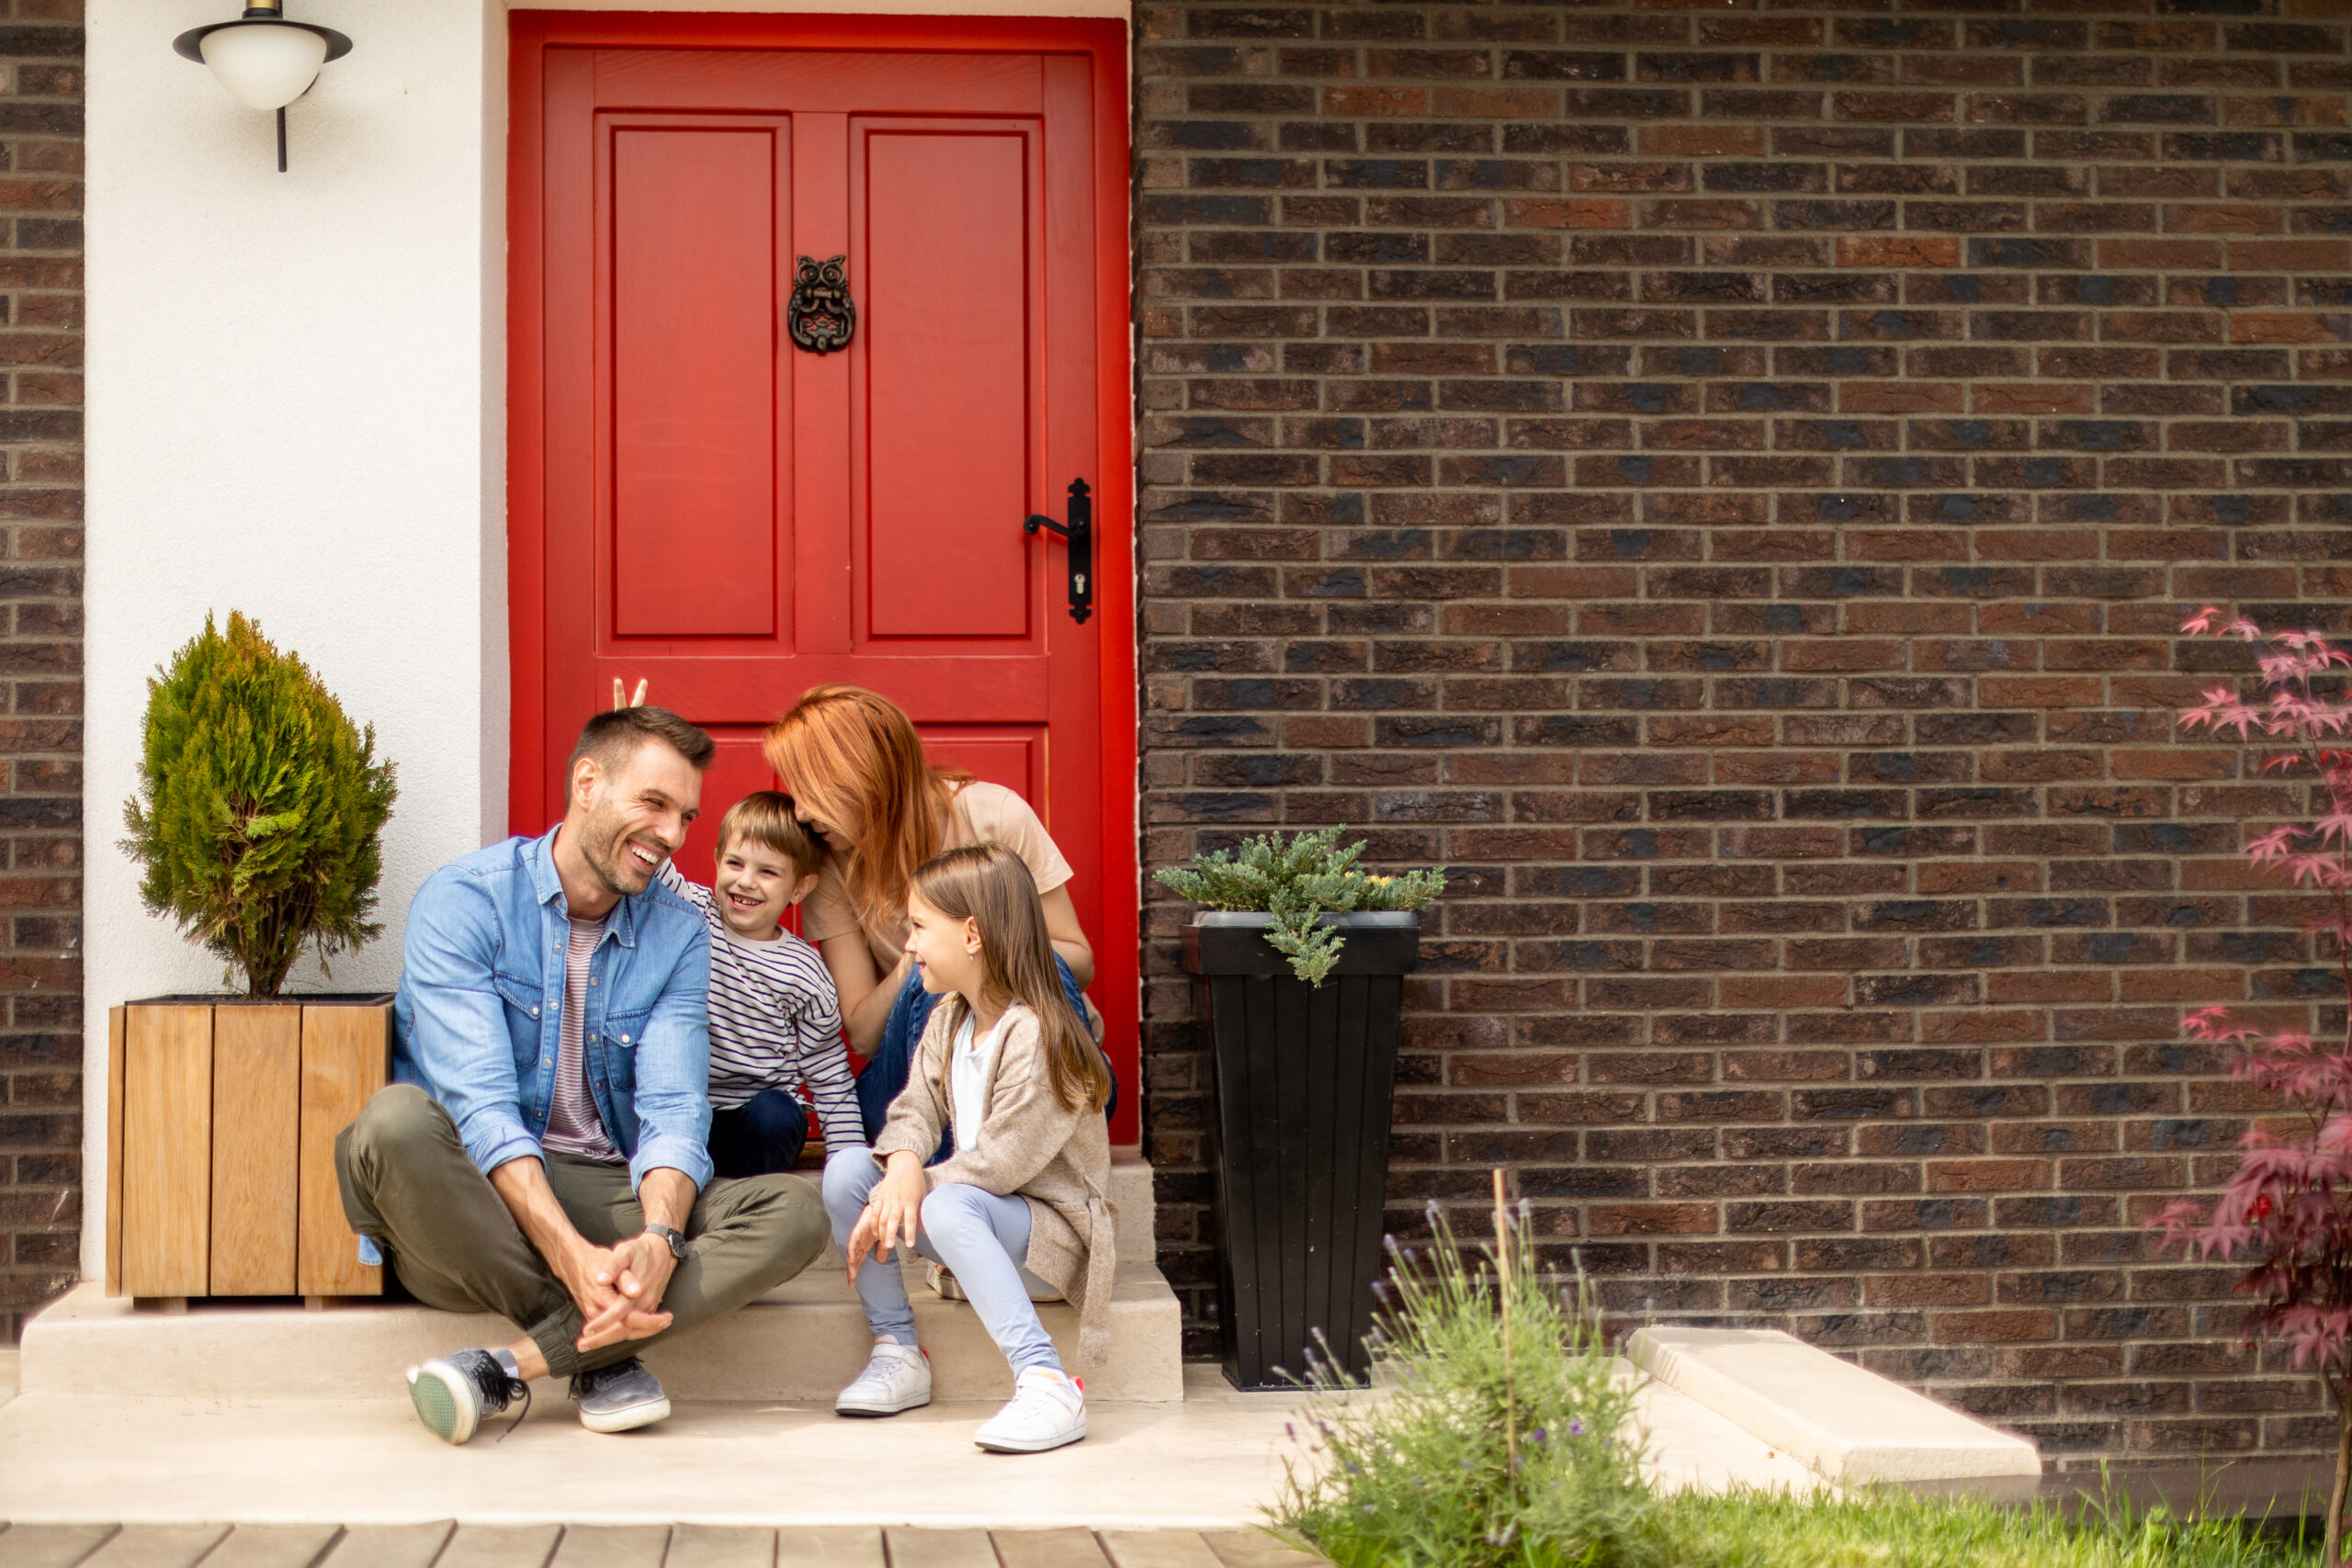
column 1047, row 1410
column 896, row 1378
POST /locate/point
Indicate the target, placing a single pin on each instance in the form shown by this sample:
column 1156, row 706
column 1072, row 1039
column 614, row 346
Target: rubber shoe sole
column 628, row 1418
column 871, row 1409
column 449, row 1412
column 1039, row 1444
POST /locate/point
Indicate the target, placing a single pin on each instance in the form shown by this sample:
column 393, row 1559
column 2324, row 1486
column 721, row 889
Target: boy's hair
column 764, row 817
column 991, row 887
column 612, row 738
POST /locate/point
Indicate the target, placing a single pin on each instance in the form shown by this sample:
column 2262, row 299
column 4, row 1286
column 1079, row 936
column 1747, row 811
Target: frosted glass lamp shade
column 265, row 65
column 264, row 60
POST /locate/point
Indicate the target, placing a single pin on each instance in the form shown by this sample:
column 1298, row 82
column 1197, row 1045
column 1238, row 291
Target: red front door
column 699, row 503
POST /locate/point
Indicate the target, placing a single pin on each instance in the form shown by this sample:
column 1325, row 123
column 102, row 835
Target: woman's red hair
column 853, row 757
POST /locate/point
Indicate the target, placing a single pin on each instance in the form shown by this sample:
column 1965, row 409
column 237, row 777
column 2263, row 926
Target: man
column 542, row 1154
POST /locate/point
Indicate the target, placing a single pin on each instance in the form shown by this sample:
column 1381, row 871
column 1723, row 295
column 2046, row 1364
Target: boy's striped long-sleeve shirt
column 776, row 1022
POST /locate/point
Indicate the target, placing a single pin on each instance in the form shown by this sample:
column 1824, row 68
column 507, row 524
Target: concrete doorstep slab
column 1213, row 1461
column 1847, row 1425
column 1210, row 1461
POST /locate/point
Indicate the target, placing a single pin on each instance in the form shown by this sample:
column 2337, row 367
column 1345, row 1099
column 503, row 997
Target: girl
column 859, row 779
column 1023, row 1205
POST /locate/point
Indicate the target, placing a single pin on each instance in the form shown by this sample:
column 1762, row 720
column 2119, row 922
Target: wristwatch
column 676, row 1240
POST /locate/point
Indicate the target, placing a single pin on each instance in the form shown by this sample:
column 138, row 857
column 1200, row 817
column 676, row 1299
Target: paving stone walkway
column 443, row 1544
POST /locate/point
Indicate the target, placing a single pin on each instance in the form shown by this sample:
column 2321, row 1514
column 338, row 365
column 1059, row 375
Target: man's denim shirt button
column 535, row 1012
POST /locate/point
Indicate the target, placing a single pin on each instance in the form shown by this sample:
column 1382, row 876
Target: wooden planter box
column 222, row 1116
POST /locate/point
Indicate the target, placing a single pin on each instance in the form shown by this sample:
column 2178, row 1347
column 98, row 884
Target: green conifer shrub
column 260, row 807
column 1297, row 883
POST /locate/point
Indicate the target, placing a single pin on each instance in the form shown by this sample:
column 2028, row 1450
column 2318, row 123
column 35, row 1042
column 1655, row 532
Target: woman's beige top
column 979, row 813
column 1028, row 1144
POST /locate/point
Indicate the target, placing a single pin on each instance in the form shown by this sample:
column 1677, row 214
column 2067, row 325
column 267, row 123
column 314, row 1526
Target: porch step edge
column 805, row 1340
column 1844, row 1423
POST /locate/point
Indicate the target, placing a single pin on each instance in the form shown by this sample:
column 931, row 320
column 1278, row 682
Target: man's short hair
column 764, row 817
column 612, row 738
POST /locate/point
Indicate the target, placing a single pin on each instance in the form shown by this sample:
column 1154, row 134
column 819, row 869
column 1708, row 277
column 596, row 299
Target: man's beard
column 602, row 848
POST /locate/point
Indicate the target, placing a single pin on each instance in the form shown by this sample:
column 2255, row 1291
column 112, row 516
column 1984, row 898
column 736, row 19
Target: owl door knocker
column 820, row 315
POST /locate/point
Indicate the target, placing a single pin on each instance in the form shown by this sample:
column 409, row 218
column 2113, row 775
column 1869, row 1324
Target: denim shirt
column 479, row 1013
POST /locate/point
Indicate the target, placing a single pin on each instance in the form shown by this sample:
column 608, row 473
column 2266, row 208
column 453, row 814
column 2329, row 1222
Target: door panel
column 1011, row 755
column 696, row 464
column 947, row 267
column 702, row 505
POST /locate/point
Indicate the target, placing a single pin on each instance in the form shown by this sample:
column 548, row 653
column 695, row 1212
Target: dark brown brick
column 1726, row 485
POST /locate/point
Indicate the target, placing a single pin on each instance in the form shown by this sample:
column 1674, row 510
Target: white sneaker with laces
column 1048, row 1409
column 896, row 1378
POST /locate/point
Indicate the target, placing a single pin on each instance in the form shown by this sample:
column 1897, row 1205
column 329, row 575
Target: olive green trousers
column 409, row 1186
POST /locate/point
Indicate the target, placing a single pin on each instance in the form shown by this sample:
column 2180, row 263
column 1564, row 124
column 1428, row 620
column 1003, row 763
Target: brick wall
column 40, row 652
column 1726, row 481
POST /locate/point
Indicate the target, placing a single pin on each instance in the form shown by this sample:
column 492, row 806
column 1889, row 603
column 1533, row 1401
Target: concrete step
column 1847, row 1424
column 1131, row 1194
column 802, row 1341
column 1212, row 1460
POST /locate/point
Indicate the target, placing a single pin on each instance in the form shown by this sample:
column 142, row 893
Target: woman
column 859, row 780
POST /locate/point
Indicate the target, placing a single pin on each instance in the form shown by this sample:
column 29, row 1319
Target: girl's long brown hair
column 854, row 756
column 992, row 888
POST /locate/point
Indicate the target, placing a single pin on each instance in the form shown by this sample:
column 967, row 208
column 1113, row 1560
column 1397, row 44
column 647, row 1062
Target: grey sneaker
column 619, row 1398
column 453, row 1393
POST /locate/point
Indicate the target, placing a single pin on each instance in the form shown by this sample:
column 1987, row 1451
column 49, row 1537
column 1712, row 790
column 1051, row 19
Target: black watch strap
column 674, row 1239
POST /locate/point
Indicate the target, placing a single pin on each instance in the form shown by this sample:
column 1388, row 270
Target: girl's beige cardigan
column 1029, row 1144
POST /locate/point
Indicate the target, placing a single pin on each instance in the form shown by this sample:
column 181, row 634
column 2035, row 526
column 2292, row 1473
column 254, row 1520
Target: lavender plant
column 1504, row 1440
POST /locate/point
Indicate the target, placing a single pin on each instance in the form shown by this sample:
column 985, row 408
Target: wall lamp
column 264, row 60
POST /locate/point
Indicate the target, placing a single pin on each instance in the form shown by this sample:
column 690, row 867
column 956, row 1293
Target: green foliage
column 1507, row 1438
column 1297, row 883
column 262, row 807
column 1497, row 1447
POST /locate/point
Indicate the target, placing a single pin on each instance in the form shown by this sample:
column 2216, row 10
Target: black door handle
column 1080, row 535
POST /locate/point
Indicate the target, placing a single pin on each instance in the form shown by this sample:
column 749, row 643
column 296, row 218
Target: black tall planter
column 1305, row 1079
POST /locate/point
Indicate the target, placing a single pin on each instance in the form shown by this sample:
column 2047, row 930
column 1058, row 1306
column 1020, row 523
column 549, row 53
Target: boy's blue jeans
column 885, row 1072
column 760, row 1137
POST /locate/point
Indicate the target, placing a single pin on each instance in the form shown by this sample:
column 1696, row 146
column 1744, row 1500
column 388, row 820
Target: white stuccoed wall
column 297, row 409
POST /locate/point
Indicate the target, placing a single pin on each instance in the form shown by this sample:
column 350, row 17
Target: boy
column 775, row 1021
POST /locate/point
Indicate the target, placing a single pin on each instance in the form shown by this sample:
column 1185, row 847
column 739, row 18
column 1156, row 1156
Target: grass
column 1895, row 1530
column 1507, row 1441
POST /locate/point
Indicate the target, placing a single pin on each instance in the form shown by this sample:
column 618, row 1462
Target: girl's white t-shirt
column 968, row 1076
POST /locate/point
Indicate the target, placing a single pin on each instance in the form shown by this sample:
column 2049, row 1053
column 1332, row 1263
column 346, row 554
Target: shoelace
column 878, row 1370
column 501, row 1391
column 1040, row 1391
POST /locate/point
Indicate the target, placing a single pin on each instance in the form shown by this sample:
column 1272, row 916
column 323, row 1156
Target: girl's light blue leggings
column 979, row 1235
